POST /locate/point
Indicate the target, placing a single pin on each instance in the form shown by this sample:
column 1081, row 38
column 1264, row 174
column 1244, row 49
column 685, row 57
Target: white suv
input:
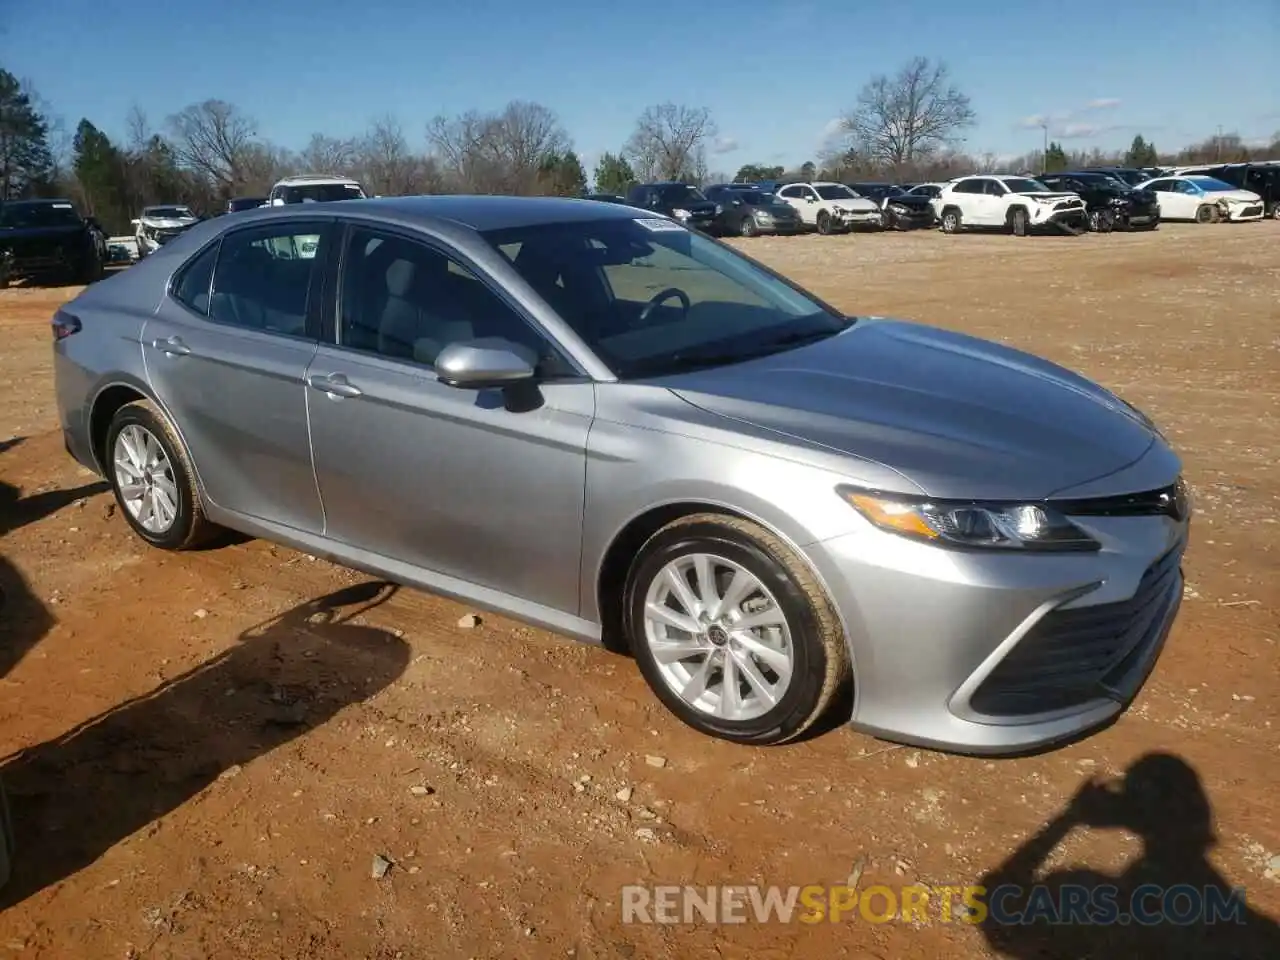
column 1019, row 204
column 830, row 207
column 315, row 188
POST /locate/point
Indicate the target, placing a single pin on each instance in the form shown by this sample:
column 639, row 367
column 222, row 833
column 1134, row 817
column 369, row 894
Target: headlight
column 1010, row 526
column 681, row 213
column 763, row 215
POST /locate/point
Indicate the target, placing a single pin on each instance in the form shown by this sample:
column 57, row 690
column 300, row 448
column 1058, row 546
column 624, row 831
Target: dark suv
column 682, row 201
column 46, row 239
column 1110, row 203
column 1262, row 178
column 901, row 210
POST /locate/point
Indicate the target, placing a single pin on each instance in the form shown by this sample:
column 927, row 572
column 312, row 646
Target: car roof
column 43, row 201
column 477, row 212
column 314, row 178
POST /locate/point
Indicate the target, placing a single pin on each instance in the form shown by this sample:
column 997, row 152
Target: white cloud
column 1034, row 121
column 1077, row 131
column 832, row 127
column 1102, row 103
column 724, row 145
column 1059, row 123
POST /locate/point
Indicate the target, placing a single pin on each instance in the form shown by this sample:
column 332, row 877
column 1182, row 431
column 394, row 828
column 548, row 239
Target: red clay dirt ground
column 215, row 753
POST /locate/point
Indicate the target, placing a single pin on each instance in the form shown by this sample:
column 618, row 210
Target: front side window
column 406, row 300
column 651, row 298
column 264, row 276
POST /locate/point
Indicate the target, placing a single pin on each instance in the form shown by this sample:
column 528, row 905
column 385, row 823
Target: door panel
column 237, row 394
column 449, row 479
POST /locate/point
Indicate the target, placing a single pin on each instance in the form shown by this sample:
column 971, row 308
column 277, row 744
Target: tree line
column 909, row 125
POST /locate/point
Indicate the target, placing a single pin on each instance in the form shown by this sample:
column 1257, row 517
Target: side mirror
column 485, row 363
column 812, row 199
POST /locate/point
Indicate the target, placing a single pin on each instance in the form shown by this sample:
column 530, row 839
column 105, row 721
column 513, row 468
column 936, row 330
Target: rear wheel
column 732, row 632
column 1275, row 211
column 152, row 478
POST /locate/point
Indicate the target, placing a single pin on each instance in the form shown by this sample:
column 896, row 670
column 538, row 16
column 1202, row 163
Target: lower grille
column 1073, row 656
column 1252, row 212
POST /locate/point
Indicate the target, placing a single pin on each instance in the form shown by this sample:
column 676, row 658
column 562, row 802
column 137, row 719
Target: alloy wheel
column 145, row 479
column 720, row 639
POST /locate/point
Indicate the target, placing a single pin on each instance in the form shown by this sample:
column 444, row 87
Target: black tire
column 952, row 221
column 1018, row 222
column 821, row 660
column 1206, row 213
column 748, row 227
column 1275, row 211
column 824, row 223
column 1102, row 221
column 190, row 527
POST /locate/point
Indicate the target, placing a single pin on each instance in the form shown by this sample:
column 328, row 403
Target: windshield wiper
column 681, row 363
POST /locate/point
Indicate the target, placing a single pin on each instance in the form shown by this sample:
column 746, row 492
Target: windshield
column 168, row 213
column 835, row 191
column 652, row 298
column 1211, row 183
column 758, row 198
column 679, row 193
column 1024, row 185
column 322, row 193
column 21, row 216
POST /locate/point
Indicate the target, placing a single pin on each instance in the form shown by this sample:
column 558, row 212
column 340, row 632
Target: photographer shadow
column 73, row 798
column 1169, row 903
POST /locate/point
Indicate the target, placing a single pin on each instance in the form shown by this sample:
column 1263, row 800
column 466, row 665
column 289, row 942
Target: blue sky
column 774, row 73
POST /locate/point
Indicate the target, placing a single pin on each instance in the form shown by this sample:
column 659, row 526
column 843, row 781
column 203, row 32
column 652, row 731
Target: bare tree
column 388, row 167
column 670, row 141
column 216, row 140
column 905, row 119
column 500, row 152
column 326, row 154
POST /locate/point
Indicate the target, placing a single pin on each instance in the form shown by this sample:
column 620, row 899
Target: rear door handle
column 173, row 346
column 334, row 384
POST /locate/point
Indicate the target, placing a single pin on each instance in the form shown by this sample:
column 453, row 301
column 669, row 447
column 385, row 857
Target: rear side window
column 192, row 285
column 264, row 277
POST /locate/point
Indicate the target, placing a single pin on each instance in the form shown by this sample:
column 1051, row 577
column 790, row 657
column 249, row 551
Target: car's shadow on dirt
column 1169, row 902
column 74, row 797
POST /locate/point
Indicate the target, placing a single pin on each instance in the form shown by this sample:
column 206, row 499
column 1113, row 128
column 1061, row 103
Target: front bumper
column 1072, row 216
column 909, row 218
column 1240, row 212
column 780, row 227
column 847, row 221
column 988, row 652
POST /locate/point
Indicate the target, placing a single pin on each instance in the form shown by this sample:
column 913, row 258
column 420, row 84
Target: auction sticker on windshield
column 660, row 225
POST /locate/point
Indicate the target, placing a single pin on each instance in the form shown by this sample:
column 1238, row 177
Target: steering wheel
column 671, row 293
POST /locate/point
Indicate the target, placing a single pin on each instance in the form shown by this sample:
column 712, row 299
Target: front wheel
column 748, row 227
column 1018, row 222
column 152, row 478
column 732, row 632
column 1207, row 213
column 1102, row 221
column 824, row 223
column 951, row 220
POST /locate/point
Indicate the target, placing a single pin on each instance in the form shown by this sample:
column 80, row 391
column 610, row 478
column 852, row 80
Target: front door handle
column 334, row 384
column 173, row 346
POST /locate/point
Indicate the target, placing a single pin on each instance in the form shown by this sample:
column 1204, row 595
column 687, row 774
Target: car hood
column 909, row 200
column 19, row 234
column 955, row 415
column 167, row 223
column 1239, row 196
column 858, row 205
column 1052, row 196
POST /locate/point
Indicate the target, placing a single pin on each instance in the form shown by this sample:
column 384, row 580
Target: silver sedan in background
column 589, row 417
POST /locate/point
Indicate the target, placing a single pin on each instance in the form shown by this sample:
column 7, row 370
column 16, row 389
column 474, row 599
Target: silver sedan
column 589, row 417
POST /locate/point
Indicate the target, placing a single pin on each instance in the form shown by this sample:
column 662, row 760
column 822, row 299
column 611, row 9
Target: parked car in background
column 1017, row 204
column 159, row 224
column 315, row 188
column 48, row 240
column 930, row 191
column 1260, row 178
column 605, row 197
column 745, row 211
column 1204, row 199
column 236, row 204
column 681, row 201
column 610, row 425
column 122, row 249
column 1130, row 175
column 1110, row 203
column 830, row 207
column 899, row 209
